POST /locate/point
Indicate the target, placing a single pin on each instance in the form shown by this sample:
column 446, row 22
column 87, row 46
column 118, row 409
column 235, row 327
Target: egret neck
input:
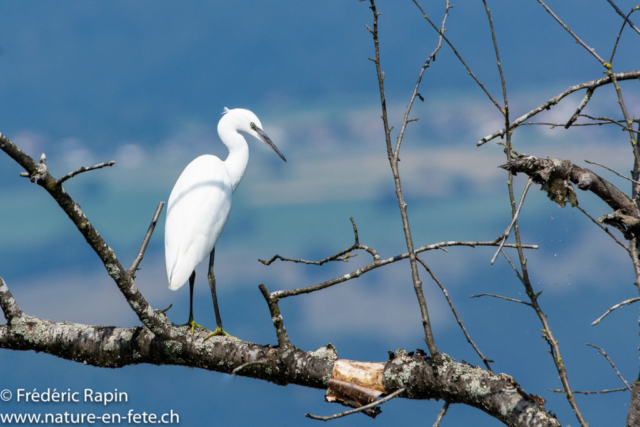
column 236, row 162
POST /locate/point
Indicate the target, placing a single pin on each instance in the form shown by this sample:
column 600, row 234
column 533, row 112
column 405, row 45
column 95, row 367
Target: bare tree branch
column 108, row 346
column 593, row 84
column 578, row 40
column 485, row 360
column 550, row 172
column 615, row 390
column 501, row 297
column 379, row 263
column 524, row 275
column 441, row 414
column 611, row 170
column 406, row 119
column 623, row 15
column 605, row 229
column 344, row 255
column 583, row 103
column 613, row 365
column 607, row 120
column 276, row 318
column 627, row 302
column 402, row 205
column 136, row 262
column 441, row 33
column 85, row 169
column 505, row 235
column 360, row 409
column 615, row 46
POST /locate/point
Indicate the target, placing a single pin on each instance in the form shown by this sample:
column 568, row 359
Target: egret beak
column 264, row 138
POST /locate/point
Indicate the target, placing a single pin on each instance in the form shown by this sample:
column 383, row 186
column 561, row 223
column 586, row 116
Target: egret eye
column 253, row 126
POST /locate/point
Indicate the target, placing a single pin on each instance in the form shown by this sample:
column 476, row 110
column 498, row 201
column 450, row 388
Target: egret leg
column 192, row 322
column 212, row 284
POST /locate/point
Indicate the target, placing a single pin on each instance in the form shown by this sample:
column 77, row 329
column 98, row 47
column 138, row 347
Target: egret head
column 243, row 120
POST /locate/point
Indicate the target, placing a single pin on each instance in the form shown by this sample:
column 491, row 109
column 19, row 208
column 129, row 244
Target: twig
column 605, row 229
column 145, row 242
column 164, row 310
column 590, row 392
column 360, row 409
column 611, row 170
column 505, row 235
column 472, row 244
column 615, row 46
column 485, row 360
column 406, row 119
column 276, row 318
column 623, row 15
column 556, row 99
column 583, row 103
column 602, row 123
column 591, row 50
column 379, row 263
column 344, row 255
column 613, row 365
column 518, row 275
column 441, row 415
column 434, row 246
column 337, row 257
column 627, row 302
column 441, row 33
column 609, row 120
column 85, row 169
column 501, row 297
column 505, row 111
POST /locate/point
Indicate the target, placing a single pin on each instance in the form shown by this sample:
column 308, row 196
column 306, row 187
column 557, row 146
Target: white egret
column 200, row 202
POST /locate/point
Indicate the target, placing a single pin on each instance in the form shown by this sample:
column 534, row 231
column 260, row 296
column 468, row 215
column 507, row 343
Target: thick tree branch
column 554, row 173
column 108, row 346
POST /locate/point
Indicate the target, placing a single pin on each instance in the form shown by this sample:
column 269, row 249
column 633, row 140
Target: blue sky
column 144, row 83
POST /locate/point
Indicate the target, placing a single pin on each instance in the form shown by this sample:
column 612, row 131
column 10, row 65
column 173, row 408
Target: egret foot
column 194, row 325
column 220, row 331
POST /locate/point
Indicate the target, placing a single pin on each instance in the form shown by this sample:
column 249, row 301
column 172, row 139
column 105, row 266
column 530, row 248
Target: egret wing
column 197, row 211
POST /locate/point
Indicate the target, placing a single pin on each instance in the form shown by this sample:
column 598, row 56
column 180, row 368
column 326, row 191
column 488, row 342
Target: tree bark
column 424, row 378
column 633, row 417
